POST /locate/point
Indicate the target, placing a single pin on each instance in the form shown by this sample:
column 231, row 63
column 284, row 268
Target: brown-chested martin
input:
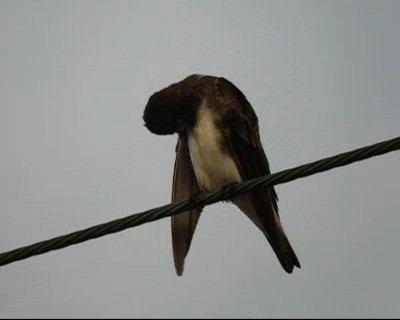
column 218, row 145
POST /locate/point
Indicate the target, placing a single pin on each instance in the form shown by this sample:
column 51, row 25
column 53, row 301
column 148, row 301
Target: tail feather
column 265, row 217
column 285, row 252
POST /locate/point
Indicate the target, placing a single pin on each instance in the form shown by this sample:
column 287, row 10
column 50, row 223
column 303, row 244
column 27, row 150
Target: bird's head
column 169, row 112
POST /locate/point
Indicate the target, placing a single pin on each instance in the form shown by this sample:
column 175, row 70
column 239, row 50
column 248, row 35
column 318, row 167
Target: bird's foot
column 228, row 191
column 193, row 199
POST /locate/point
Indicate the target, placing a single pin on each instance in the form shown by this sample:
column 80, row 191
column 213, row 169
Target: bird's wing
column 184, row 186
column 240, row 126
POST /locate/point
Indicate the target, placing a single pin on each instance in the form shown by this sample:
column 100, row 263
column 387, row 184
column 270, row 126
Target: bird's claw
column 228, row 190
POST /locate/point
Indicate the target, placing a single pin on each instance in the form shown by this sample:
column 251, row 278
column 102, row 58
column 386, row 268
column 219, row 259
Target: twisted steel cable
column 202, row 200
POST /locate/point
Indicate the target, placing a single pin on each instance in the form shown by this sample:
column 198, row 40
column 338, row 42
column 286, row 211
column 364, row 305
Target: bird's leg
column 193, row 198
column 228, row 190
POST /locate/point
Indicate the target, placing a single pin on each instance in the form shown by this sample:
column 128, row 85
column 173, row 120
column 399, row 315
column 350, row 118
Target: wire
column 202, row 200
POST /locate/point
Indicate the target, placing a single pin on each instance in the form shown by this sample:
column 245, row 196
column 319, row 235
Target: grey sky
column 323, row 78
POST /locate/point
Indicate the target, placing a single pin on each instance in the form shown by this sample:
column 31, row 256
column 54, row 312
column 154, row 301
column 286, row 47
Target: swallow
column 218, row 145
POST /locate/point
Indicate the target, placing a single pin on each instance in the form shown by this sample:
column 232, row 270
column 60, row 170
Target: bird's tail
column 265, row 217
column 283, row 250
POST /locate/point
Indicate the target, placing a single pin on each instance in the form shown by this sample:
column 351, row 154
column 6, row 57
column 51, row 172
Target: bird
column 218, row 146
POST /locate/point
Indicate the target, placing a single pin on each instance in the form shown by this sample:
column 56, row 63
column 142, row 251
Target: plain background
column 323, row 78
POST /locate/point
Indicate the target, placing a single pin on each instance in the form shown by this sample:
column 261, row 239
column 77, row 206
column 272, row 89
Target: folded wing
column 185, row 185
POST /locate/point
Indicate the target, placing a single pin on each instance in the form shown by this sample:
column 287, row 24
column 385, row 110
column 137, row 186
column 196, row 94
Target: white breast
column 214, row 168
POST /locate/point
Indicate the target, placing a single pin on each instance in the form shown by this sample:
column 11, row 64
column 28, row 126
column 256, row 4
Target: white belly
column 213, row 167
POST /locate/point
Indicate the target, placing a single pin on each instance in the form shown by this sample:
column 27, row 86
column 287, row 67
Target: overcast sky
column 75, row 76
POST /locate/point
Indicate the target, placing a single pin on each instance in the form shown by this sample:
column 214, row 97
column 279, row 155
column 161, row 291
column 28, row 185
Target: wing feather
column 185, row 185
column 240, row 126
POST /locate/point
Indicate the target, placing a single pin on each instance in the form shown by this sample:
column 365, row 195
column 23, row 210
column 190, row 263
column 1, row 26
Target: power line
column 202, row 200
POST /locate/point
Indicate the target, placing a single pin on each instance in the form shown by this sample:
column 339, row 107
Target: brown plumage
column 218, row 144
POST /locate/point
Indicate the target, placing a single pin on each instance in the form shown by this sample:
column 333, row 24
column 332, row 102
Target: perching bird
column 218, row 145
